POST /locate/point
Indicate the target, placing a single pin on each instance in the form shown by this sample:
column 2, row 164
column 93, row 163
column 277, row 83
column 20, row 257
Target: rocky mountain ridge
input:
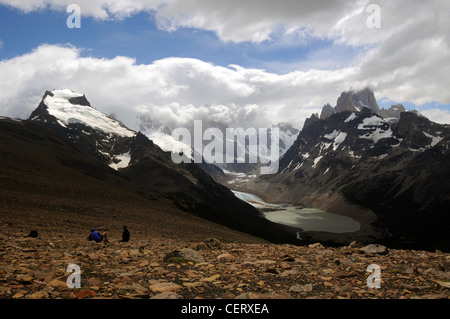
column 356, row 101
column 161, row 134
column 390, row 175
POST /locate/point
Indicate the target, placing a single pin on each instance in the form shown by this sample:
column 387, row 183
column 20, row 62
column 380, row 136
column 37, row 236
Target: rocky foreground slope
column 36, row 268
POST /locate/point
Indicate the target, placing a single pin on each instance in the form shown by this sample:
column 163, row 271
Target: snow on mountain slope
column 89, row 129
column 377, row 128
column 167, row 143
column 66, row 112
column 123, row 160
column 161, row 134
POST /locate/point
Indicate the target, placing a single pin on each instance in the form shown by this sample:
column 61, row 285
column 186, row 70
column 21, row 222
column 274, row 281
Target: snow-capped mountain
column 356, row 101
column 356, row 159
column 143, row 168
column 68, row 107
column 161, row 135
column 87, row 127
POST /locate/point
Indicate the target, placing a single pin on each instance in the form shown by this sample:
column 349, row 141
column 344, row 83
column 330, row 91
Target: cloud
column 173, row 90
column 99, row 9
column 258, row 21
column 178, row 91
column 405, row 60
column 437, row 115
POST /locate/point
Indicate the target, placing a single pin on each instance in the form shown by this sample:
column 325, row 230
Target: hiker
column 125, row 234
column 97, row 237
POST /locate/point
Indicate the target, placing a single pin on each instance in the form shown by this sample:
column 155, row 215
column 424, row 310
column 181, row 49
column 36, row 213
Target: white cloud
column 175, row 90
column 437, row 115
column 248, row 20
column 98, row 9
column 178, row 91
column 406, row 60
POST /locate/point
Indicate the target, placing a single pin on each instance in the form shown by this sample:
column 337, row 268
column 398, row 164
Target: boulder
column 184, row 254
column 374, row 249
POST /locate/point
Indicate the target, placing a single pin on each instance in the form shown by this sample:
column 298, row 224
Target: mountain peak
column 65, row 107
column 352, row 101
column 355, row 101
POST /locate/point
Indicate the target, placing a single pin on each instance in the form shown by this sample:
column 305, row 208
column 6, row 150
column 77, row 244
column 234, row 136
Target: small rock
column 57, row 284
column 443, row 285
column 290, row 272
column 210, row 279
column 82, row 294
column 39, row 295
column 285, row 265
column 228, row 295
column 27, row 279
column 344, row 261
column 301, row 288
column 354, row 244
column 18, row 295
column 374, row 249
column 164, row 287
column 412, row 287
column 316, row 245
column 226, row 258
column 410, row 270
column 270, row 295
column 166, row 295
column 45, row 275
column 201, row 246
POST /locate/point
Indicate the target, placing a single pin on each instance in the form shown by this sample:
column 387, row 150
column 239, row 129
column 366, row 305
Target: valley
column 342, row 185
column 223, row 154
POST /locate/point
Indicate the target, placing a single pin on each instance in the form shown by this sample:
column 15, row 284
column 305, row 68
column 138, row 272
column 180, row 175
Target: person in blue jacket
column 97, row 237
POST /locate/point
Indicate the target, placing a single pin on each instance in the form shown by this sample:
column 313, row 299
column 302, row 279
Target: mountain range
column 161, row 134
column 386, row 168
column 71, row 134
column 390, row 173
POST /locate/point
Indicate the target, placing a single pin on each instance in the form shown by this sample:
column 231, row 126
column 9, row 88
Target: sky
column 247, row 63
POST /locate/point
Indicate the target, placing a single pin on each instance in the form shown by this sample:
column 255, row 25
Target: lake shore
column 309, row 219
